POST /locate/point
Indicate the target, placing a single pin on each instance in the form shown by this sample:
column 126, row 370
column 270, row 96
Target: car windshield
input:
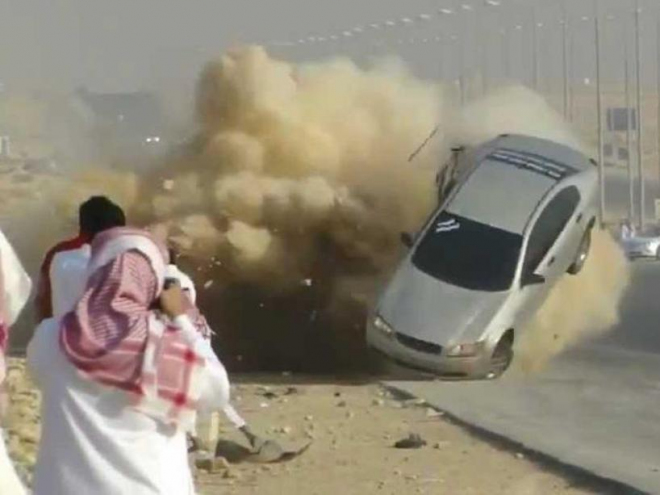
column 468, row 254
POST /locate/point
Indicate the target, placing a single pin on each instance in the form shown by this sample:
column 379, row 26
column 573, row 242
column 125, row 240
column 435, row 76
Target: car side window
column 549, row 226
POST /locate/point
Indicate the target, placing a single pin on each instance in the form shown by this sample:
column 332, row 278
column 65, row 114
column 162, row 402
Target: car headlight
column 383, row 327
column 465, row 350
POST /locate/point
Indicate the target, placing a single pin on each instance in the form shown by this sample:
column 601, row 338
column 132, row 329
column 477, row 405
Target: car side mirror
column 407, row 239
column 533, row 279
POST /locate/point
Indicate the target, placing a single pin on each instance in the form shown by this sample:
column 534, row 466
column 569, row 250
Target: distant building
column 123, row 123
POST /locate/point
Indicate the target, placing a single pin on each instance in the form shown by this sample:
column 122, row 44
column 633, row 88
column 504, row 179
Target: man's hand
column 173, row 302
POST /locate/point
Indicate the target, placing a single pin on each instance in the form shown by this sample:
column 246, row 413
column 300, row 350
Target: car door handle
column 551, row 261
column 579, row 218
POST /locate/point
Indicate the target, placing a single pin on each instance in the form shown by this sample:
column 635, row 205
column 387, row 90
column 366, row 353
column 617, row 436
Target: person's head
column 97, row 214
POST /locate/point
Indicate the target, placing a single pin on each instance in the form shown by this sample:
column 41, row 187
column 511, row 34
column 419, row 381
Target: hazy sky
column 114, row 45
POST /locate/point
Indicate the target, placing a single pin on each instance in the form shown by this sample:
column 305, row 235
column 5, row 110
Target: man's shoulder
column 67, row 245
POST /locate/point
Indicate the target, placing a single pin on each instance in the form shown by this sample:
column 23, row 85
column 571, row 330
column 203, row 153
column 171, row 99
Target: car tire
column 581, row 255
column 502, row 356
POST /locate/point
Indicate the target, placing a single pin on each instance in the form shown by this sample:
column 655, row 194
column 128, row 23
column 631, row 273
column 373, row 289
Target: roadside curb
column 599, row 483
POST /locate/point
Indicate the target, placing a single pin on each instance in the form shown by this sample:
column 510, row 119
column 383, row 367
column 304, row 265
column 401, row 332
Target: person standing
column 15, row 288
column 63, row 271
column 122, row 377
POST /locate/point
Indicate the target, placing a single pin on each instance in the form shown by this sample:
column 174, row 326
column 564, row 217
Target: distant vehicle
column 642, row 245
column 517, row 214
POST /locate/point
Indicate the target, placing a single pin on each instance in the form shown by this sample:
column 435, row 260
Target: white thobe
column 10, row 484
column 68, row 275
column 93, row 442
column 17, row 285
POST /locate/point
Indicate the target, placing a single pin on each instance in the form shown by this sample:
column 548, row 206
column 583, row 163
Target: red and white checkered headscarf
column 114, row 337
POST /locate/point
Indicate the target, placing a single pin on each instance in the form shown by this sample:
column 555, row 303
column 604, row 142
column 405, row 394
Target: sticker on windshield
column 447, row 226
column 533, row 162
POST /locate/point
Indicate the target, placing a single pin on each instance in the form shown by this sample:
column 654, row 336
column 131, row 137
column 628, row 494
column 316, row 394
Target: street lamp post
column 535, row 50
column 657, row 34
column 460, row 42
column 629, row 163
column 483, row 39
column 466, row 8
column 640, row 151
column 521, row 67
column 599, row 112
column 506, row 43
column 564, row 56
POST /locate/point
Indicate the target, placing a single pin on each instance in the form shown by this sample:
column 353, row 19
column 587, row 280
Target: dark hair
column 97, row 214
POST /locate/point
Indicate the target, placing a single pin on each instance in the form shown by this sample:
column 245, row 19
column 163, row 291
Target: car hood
column 420, row 306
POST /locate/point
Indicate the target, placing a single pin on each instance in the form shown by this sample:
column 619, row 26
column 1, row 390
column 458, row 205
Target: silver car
column 643, row 245
column 516, row 215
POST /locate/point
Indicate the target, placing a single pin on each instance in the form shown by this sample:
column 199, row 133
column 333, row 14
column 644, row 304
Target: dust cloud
column 579, row 307
column 288, row 203
column 289, row 158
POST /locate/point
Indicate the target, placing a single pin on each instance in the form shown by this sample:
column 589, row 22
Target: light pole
column 640, row 156
column 657, row 34
column 535, row 49
column 482, row 40
column 599, row 112
column 519, row 29
column 564, row 57
column 460, row 41
column 467, row 9
column 506, row 55
column 629, row 163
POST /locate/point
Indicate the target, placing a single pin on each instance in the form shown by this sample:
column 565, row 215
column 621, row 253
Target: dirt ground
column 352, row 427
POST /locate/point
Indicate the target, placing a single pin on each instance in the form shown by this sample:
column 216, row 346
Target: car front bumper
column 473, row 367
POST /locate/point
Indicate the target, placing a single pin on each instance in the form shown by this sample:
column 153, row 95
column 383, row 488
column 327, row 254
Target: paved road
column 597, row 407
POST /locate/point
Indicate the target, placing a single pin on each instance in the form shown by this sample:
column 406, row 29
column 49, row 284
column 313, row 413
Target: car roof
column 565, row 159
column 513, row 175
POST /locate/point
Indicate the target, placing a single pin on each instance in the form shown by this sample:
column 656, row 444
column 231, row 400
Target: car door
column 551, row 242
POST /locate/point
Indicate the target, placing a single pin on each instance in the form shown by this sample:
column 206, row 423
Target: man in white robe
column 15, row 287
column 122, row 378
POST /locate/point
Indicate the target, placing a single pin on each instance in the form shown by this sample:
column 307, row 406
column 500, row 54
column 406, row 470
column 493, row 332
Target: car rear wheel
column 502, row 356
column 581, row 255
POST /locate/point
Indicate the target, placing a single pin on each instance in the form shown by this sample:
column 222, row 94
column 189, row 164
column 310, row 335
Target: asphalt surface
column 597, row 407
